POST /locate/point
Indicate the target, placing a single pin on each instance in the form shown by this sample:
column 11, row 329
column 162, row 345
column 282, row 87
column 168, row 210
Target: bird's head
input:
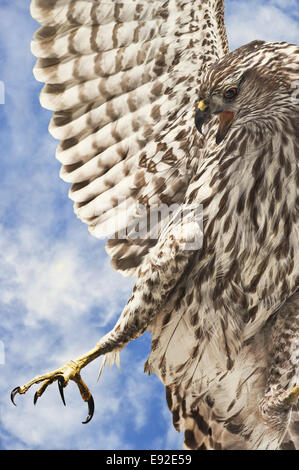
column 223, row 101
column 248, row 84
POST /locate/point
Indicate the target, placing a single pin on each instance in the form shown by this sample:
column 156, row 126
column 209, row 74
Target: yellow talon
column 70, row 371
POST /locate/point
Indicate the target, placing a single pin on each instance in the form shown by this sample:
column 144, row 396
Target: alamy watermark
column 140, row 223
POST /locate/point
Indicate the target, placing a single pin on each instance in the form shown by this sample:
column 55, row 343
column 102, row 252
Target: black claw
column 35, row 398
column 60, row 382
column 13, row 394
column 90, row 410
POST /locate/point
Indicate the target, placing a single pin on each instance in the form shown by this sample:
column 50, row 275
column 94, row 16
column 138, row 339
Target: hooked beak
column 203, row 114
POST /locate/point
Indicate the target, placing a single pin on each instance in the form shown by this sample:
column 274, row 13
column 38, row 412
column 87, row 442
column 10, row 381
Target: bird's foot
column 70, row 371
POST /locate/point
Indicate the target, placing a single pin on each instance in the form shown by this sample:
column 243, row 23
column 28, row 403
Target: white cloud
column 57, row 281
column 63, row 298
column 255, row 19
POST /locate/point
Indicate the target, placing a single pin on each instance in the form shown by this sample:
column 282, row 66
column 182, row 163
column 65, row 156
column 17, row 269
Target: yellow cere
column 202, row 105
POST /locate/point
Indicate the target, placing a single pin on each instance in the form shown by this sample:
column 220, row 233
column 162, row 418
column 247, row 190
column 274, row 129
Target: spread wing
column 122, row 78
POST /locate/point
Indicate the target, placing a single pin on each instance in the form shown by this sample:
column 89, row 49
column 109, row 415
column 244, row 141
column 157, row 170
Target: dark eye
column 230, row 92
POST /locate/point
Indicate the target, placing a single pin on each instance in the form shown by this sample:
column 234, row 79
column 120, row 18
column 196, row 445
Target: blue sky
column 58, row 294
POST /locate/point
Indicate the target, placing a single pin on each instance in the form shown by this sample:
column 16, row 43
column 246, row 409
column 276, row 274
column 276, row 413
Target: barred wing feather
column 122, row 79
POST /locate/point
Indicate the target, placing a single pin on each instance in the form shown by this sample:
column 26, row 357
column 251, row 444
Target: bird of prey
column 152, row 111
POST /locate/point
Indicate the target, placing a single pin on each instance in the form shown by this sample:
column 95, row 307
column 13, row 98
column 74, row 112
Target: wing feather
column 122, row 79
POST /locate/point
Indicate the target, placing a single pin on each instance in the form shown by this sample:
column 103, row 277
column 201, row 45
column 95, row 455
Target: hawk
column 152, row 110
